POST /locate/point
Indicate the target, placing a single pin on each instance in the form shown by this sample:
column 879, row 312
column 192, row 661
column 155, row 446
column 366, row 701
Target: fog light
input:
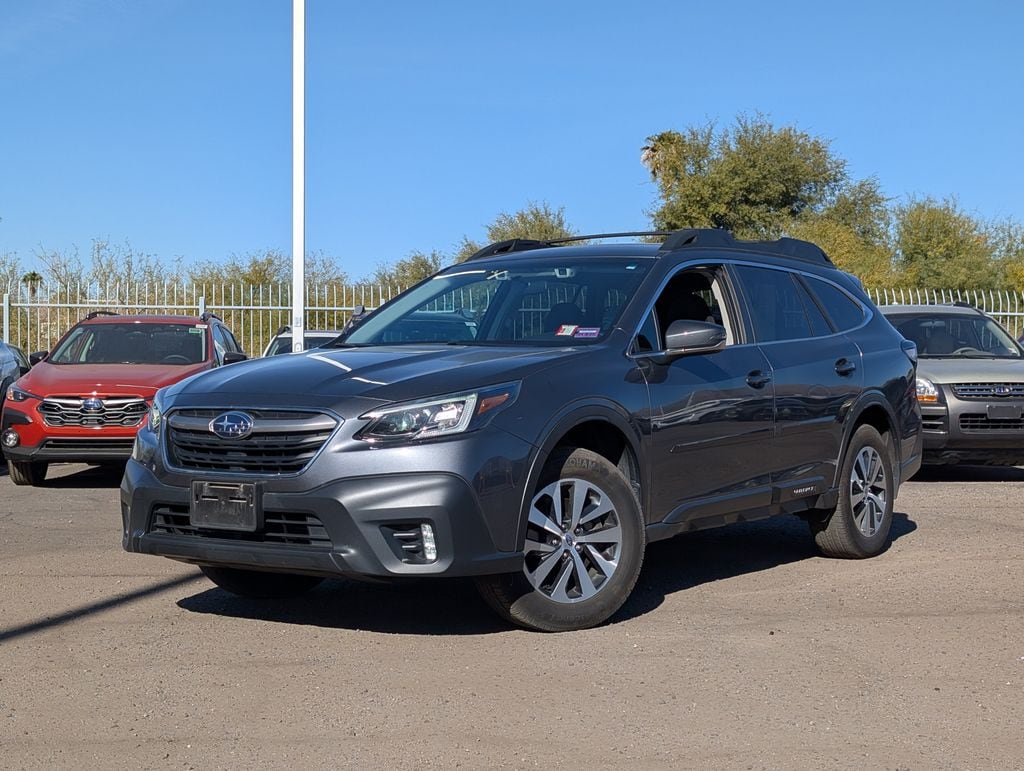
column 429, row 545
column 10, row 438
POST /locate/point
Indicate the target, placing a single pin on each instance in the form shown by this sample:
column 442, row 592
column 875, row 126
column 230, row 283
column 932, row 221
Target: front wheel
column 583, row 549
column 859, row 526
column 26, row 472
column 259, row 584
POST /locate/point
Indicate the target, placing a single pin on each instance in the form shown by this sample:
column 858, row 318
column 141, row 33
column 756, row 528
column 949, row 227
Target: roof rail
column 784, row 247
column 674, row 239
column 94, row 314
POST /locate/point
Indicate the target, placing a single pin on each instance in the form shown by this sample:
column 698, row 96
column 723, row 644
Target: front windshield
column 520, row 302
column 132, row 343
column 948, row 335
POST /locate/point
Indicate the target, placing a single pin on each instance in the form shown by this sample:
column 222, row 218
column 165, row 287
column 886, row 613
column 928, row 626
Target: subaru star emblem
column 92, row 404
column 232, row 425
column 1002, row 390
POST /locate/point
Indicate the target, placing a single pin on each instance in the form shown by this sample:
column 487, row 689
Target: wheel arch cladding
column 604, row 433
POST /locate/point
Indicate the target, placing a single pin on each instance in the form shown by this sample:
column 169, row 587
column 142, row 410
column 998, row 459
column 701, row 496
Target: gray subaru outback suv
column 608, row 395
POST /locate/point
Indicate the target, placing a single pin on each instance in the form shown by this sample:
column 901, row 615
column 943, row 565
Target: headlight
column 156, row 413
column 17, row 395
column 927, row 392
column 441, row 416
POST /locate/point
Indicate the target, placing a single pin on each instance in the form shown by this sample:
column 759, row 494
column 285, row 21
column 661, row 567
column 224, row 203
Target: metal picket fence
column 34, row 317
column 1005, row 306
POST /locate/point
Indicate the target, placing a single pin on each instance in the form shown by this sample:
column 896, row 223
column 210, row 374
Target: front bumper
column 349, row 526
column 42, row 443
column 973, row 431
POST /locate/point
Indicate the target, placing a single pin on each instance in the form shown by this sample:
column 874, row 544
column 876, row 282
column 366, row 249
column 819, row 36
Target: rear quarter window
column 845, row 312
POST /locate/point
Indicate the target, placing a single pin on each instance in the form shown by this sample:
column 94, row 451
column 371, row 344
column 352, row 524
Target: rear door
column 818, row 376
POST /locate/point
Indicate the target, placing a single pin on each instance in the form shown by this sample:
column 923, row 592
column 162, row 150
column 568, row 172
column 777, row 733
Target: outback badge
column 232, row 425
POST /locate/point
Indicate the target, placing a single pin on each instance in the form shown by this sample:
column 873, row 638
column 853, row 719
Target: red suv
column 85, row 400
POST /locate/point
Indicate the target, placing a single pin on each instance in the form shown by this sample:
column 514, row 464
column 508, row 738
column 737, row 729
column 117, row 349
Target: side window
column 844, row 311
column 819, row 324
column 774, row 304
column 229, row 340
column 694, row 295
column 220, row 345
column 647, row 337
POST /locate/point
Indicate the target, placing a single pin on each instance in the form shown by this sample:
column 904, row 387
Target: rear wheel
column 27, row 473
column 259, row 584
column 859, row 526
column 583, row 549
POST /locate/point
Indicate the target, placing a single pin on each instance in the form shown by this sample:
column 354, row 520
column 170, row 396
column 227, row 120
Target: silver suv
column 970, row 384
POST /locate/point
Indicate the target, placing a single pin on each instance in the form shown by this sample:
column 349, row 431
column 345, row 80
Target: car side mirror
column 233, row 357
column 685, row 336
column 38, row 356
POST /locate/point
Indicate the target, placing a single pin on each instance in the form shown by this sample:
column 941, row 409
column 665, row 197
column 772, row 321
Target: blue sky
column 167, row 123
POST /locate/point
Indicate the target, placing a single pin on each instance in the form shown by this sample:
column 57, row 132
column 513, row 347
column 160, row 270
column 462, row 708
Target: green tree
column 404, row 273
column 536, row 220
column 938, row 245
column 752, row 178
column 31, row 282
column 252, row 269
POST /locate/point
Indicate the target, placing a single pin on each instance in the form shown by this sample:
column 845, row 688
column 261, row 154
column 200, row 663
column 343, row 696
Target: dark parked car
column 609, row 395
column 970, row 383
column 13, row 364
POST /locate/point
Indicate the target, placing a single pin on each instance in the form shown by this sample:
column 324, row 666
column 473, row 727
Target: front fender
column 567, row 418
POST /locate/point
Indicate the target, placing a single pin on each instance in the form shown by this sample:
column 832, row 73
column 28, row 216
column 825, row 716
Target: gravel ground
column 740, row 649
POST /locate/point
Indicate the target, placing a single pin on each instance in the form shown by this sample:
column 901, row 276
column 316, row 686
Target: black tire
column 259, row 584
column 27, row 473
column 569, row 588
column 859, row 526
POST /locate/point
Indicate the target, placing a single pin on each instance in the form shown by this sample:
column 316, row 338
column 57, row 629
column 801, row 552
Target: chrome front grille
column 281, row 441
column 988, row 390
column 93, row 412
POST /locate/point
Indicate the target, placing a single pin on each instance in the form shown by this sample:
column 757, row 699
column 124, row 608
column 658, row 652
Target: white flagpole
column 298, row 172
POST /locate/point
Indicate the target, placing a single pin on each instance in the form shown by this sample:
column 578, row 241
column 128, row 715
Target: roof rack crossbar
column 596, row 236
column 94, row 314
column 525, row 244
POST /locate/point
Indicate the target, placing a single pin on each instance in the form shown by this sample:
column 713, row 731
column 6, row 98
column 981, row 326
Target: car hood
column 327, row 377
column 46, row 379
column 964, row 370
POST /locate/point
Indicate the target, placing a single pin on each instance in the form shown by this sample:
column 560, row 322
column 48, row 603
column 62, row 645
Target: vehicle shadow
column 86, row 478
column 452, row 607
column 961, row 473
column 712, row 555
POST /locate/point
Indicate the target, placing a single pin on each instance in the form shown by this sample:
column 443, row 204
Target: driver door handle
column 758, row 379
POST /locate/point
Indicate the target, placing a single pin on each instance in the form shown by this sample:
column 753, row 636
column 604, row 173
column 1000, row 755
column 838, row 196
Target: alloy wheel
column 867, row 491
column 573, row 541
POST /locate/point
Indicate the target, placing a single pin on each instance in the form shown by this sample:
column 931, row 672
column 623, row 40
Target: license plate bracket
column 1004, row 411
column 225, row 506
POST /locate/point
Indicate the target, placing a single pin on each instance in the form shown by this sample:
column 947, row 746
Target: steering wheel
column 175, row 358
column 966, row 349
